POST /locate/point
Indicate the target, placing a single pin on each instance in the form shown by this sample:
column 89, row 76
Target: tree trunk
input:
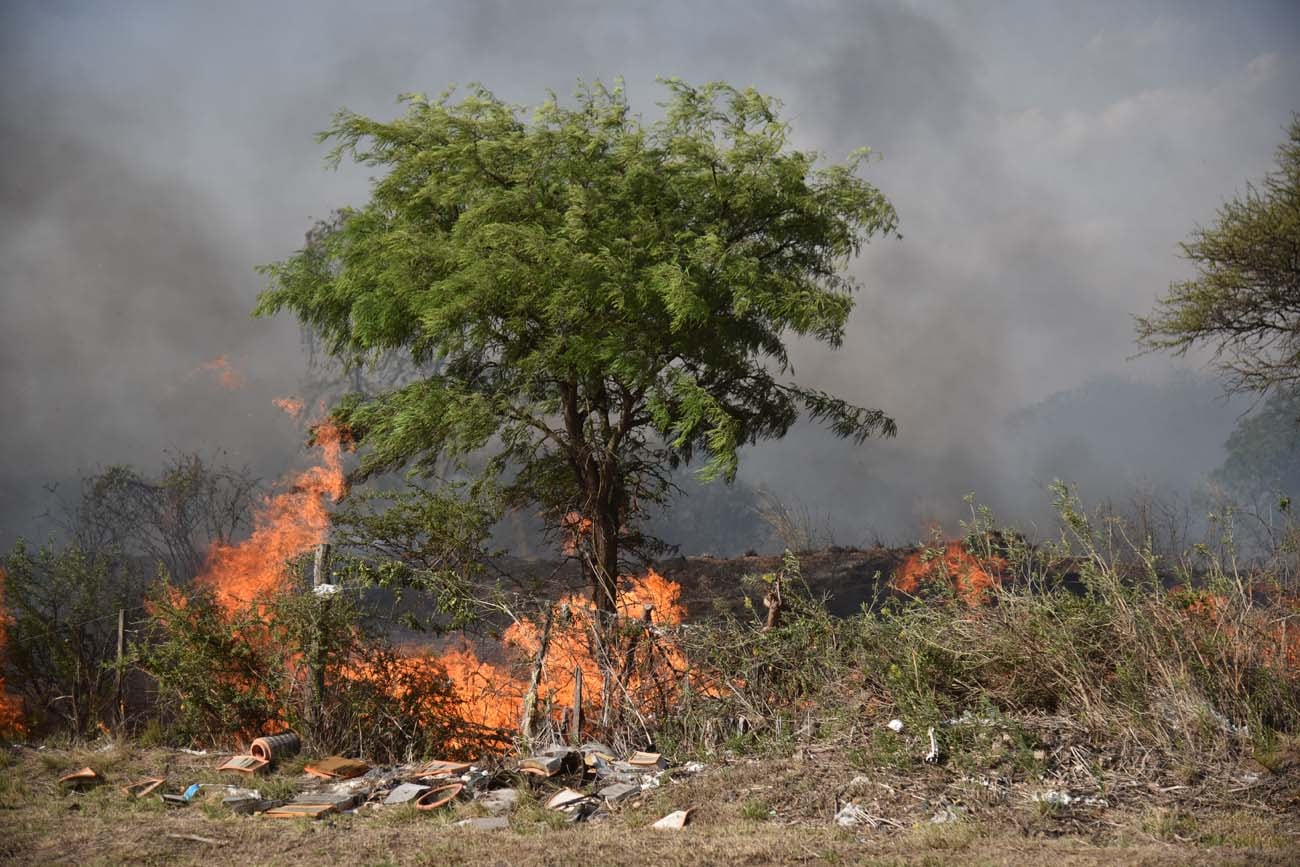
column 603, row 568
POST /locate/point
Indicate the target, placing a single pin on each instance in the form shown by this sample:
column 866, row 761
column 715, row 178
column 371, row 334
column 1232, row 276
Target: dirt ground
column 748, row 811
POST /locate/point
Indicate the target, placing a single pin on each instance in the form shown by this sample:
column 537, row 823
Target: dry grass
column 748, row 812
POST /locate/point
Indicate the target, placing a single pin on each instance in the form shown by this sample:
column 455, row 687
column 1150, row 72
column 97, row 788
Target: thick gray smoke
column 1045, row 163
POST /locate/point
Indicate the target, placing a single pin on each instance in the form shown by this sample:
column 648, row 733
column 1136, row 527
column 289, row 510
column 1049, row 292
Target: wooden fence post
column 118, row 699
column 316, row 700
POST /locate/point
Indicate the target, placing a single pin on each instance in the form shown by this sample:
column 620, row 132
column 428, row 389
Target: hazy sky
column 1045, row 160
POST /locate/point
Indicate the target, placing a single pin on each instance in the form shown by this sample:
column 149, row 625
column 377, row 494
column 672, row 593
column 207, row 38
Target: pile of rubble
column 585, row 783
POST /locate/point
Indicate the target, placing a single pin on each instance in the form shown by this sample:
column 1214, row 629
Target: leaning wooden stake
column 530, row 698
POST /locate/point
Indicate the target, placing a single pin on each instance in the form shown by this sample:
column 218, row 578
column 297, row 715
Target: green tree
column 606, row 298
column 1245, row 299
column 1264, row 450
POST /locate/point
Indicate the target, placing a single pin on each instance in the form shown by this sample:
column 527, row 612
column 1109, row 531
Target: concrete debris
column 851, row 815
column 582, row 811
column 485, row 823
column 619, row 792
column 1059, row 799
column 594, row 752
column 245, row 806
column 405, row 793
column 564, row 798
column 675, row 820
column 895, row 725
column 498, row 801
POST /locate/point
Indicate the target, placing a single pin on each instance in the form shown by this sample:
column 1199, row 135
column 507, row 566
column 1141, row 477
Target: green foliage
column 1189, row 675
column 62, row 635
column 222, row 674
column 1264, row 451
column 1245, row 299
column 598, row 299
column 415, row 539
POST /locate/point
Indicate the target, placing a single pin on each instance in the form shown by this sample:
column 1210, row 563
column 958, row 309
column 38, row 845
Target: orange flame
column 650, row 668
column 11, row 708
column 287, row 525
column 971, row 578
column 292, row 406
column 225, row 372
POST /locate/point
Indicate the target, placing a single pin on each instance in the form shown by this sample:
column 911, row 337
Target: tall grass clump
column 1191, row 661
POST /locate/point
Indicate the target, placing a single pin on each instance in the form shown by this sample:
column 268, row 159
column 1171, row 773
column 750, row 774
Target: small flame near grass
column 972, row 579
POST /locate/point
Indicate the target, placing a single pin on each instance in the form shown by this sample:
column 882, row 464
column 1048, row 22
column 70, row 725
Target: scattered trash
column 170, row 800
column 439, row 797
column 193, row 790
column 300, row 811
column 932, row 757
column 80, row 779
column 485, row 823
column 550, row 763
column 405, row 793
column 1054, row 798
column 851, row 815
column 895, row 725
column 443, row 769
column 498, row 801
column 247, row 805
column 337, row 768
column 338, row 800
column 190, row 752
column 326, row 589
column 582, row 811
column 564, row 798
column 144, row 787
column 595, row 753
column 619, row 792
column 645, row 761
column 244, row 764
column 1058, row 798
column 674, row 820
column 276, row 747
column 692, row 768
